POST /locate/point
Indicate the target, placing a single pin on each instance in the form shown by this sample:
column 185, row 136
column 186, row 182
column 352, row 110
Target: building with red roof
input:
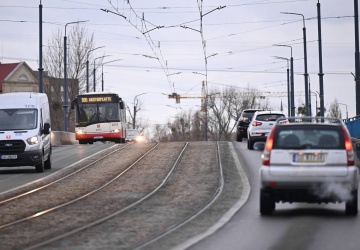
column 17, row 77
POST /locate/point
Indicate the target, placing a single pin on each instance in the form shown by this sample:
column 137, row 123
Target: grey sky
column 239, row 41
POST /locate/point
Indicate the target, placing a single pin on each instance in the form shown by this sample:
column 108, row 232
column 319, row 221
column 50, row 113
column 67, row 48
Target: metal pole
column 87, row 75
column 288, row 86
column 87, row 67
column 321, row 74
column 102, row 77
column 292, row 85
column 357, row 54
column 305, row 62
column 65, row 77
column 292, row 93
column 40, row 50
column 288, row 81
column 134, row 115
column 102, row 71
column 206, row 118
column 94, row 85
column 310, row 111
column 65, row 84
column 306, row 72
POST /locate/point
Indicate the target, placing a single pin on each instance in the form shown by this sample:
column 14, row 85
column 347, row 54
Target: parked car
column 309, row 160
column 260, row 126
column 243, row 123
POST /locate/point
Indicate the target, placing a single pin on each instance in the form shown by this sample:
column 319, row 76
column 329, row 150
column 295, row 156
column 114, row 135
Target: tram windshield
column 90, row 113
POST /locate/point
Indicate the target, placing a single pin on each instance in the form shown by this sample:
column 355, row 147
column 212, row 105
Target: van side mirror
column 46, row 129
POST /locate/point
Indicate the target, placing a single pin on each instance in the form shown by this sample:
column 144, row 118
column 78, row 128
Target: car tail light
column 268, row 147
column 284, row 122
column 255, row 123
column 349, row 148
column 243, row 118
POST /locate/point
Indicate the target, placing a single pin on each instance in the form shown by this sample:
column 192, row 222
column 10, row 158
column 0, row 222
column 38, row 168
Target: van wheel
column 39, row 168
column 48, row 163
column 82, row 142
column 351, row 206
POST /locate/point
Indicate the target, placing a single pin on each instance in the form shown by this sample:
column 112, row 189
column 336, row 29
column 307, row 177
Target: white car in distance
column 261, row 124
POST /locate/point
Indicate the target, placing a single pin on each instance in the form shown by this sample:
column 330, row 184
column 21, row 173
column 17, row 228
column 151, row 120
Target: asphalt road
column 63, row 156
column 292, row 226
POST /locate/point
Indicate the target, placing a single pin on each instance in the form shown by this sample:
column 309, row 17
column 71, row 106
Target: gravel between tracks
column 194, row 181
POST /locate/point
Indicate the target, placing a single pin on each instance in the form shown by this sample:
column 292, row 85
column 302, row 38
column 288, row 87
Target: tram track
column 154, row 195
column 84, row 165
column 192, row 187
column 42, row 211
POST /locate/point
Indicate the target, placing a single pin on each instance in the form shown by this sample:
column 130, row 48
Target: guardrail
column 353, row 125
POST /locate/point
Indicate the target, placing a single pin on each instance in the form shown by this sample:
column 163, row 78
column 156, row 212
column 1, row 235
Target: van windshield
column 18, row 119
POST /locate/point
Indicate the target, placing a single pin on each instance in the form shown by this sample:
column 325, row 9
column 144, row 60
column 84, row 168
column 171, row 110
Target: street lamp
column 65, row 76
column 347, row 116
column 135, row 108
column 95, row 70
column 40, row 50
column 288, row 80
column 305, row 62
column 292, row 92
column 87, row 67
column 102, row 72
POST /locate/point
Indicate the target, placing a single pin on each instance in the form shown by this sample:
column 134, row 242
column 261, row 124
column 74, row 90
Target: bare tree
column 161, row 133
column 224, row 110
column 79, row 45
column 334, row 110
column 133, row 111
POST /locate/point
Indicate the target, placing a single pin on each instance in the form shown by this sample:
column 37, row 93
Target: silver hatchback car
column 309, row 160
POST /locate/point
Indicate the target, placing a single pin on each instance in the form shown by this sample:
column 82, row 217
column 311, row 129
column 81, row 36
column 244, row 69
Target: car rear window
column 308, row 137
column 269, row 117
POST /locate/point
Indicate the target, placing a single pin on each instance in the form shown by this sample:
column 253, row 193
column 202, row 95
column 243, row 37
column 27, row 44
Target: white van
column 25, row 130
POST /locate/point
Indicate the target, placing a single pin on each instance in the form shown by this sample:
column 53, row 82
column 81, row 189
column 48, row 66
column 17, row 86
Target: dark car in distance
column 243, row 123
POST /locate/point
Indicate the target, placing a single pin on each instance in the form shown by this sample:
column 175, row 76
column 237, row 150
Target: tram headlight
column 80, row 131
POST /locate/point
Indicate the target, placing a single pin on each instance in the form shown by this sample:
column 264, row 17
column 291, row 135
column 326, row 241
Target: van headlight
column 33, row 140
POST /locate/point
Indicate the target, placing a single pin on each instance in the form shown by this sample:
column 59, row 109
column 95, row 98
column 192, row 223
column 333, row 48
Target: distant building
column 19, row 77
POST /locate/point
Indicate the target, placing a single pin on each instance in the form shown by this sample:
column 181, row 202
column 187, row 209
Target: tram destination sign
column 95, row 99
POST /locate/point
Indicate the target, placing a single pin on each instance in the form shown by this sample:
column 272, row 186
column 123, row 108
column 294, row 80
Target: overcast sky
column 239, row 47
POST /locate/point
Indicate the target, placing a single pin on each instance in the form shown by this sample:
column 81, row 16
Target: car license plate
column 8, row 157
column 98, row 137
column 311, row 157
